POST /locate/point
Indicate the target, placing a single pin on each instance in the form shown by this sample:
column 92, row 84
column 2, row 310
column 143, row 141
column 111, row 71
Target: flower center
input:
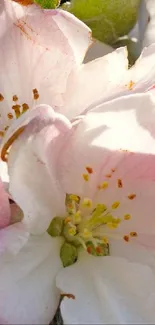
column 86, row 226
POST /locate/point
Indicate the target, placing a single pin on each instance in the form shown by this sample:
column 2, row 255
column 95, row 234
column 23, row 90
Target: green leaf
column 48, row 4
column 108, row 19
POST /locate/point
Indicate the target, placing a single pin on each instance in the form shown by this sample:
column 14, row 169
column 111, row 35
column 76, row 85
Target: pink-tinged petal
column 139, row 78
column 33, row 185
column 4, row 174
column 115, row 143
column 107, row 290
column 97, row 79
column 5, row 213
column 28, row 293
column 39, row 49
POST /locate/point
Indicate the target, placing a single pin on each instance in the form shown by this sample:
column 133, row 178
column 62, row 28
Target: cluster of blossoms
column 77, row 218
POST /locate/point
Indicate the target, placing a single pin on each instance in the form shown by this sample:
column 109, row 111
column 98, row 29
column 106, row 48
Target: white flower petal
column 107, row 290
column 116, row 141
column 39, row 49
column 33, row 185
column 97, row 79
column 28, row 294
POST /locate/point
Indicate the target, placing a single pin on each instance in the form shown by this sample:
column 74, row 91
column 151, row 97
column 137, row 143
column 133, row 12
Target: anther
column 86, row 177
column 119, row 183
column 89, row 170
column 126, row 238
column 127, row 217
column 15, row 98
column 10, row 116
column 35, row 94
column 115, row 205
column 131, row 196
column 133, row 234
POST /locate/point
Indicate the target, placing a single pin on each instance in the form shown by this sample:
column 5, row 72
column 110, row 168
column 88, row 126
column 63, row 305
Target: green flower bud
column 55, row 227
column 108, row 19
column 68, row 254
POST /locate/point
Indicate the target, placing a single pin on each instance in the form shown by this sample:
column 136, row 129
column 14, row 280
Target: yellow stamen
column 115, row 205
column 72, row 231
column 67, row 220
column 86, row 177
column 77, row 217
column 105, row 240
column 112, row 225
column 74, row 197
column 104, row 185
column 86, row 233
column 127, row 217
column 87, row 203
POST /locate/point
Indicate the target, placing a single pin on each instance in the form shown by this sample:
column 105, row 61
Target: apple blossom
column 90, row 184
column 42, row 53
column 41, row 50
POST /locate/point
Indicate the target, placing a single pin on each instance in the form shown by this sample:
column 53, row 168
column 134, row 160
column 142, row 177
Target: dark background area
column 62, row 1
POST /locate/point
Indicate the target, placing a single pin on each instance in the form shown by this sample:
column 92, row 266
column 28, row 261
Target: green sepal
column 68, row 254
